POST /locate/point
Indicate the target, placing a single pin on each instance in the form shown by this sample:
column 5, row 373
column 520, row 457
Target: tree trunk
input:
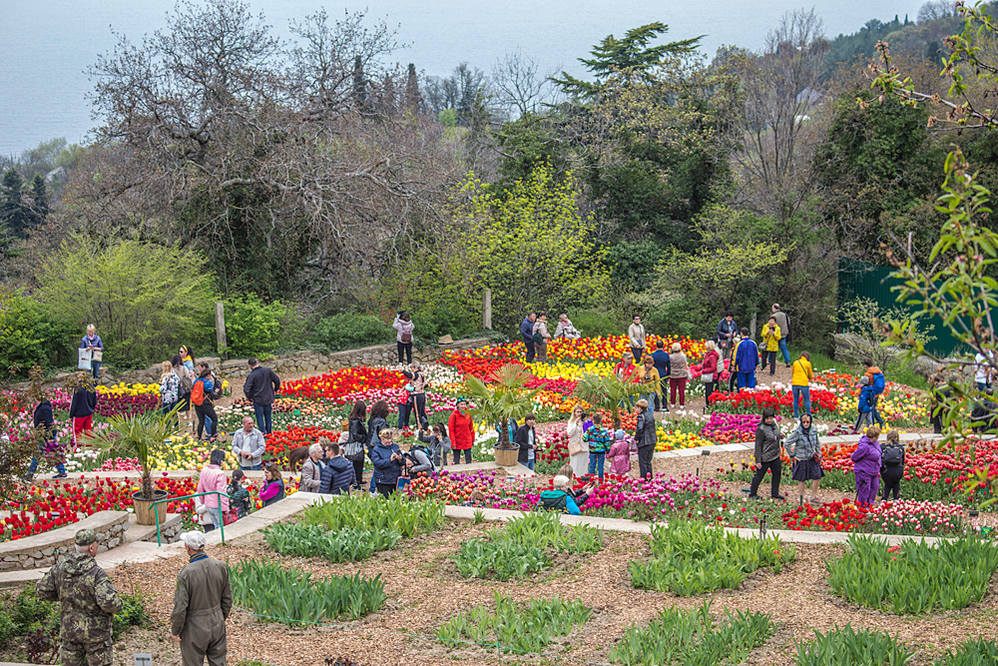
column 146, row 485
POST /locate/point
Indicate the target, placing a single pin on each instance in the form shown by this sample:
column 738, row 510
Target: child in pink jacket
column 213, row 478
column 620, row 454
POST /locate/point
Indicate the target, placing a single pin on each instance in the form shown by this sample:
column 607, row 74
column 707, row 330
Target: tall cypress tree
column 15, row 212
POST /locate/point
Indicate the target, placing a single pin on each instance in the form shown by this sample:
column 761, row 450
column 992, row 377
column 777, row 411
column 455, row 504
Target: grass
column 693, row 637
column 914, row 578
column 690, row 558
column 522, row 628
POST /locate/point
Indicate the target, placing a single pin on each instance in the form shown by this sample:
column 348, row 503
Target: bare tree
column 519, row 88
column 936, row 9
column 782, row 90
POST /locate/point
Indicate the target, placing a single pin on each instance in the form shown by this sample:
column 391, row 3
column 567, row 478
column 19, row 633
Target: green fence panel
column 865, row 280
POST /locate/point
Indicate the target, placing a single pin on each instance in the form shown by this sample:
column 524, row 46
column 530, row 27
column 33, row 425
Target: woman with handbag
column 709, row 372
column 356, row 439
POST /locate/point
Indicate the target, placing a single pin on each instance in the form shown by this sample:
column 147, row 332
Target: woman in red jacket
column 462, row 432
column 710, row 371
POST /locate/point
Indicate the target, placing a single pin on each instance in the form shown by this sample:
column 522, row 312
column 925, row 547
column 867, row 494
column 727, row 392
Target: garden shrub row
column 524, row 547
column 690, row 558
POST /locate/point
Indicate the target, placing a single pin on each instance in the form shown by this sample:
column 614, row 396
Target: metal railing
column 221, row 521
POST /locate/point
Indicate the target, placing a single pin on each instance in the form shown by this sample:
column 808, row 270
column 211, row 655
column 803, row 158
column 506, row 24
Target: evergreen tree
column 15, row 213
column 39, row 198
column 413, row 98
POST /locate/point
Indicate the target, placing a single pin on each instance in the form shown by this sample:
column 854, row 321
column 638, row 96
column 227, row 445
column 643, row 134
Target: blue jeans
column 785, row 351
column 95, row 369
column 875, row 414
column 530, row 464
column 802, row 391
column 596, row 461
column 404, row 415
column 746, row 380
column 59, row 467
column 263, row 417
column 250, row 467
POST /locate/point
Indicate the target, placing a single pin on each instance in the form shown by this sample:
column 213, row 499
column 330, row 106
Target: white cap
column 560, row 481
column 193, row 540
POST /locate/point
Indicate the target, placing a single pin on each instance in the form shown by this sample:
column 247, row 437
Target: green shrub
column 252, row 327
column 27, row 613
column 364, row 512
column 132, row 614
column 914, row 578
column 847, row 647
column 595, row 323
column 515, row 627
column 521, row 549
column 28, row 336
column 347, row 330
column 290, row 596
column 345, row 545
column 690, row 558
column 971, row 653
column 692, row 637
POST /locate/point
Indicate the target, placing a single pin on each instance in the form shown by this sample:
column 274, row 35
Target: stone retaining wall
column 42, row 550
column 169, row 531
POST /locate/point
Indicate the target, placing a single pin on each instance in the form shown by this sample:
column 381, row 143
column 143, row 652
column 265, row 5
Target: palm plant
column 136, row 435
column 503, row 399
column 610, row 393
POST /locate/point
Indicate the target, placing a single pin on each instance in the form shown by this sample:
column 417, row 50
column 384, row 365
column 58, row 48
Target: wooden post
column 752, row 326
column 220, row 327
column 487, row 310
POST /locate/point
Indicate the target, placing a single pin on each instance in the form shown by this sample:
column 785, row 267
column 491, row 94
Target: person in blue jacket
column 527, row 335
column 43, row 421
column 867, row 399
column 92, row 343
column 746, row 360
column 338, row 474
column 727, row 331
column 661, row 359
column 558, row 498
column 388, row 460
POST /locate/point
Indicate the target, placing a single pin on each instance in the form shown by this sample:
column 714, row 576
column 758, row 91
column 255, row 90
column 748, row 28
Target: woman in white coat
column 578, row 451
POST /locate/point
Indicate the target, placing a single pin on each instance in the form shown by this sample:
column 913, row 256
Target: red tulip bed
column 110, row 404
column 896, row 517
column 57, row 503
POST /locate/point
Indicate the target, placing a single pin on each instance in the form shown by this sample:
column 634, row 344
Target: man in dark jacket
column 727, row 329
column 526, row 438
column 767, row 454
column 89, row 602
column 82, row 406
column 201, row 604
column 646, row 436
column 260, row 387
column 661, row 359
column 338, row 474
column 527, row 334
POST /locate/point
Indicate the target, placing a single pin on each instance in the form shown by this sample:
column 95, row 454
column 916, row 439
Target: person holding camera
column 416, row 399
column 403, row 335
column 388, row 461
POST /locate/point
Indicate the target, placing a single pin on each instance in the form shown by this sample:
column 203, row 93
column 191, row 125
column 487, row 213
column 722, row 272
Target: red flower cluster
column 333, row 385
column 281, row 442
column 841, row 516
column 756, row 400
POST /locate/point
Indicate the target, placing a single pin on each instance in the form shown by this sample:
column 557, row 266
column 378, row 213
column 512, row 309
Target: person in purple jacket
column 866, row 466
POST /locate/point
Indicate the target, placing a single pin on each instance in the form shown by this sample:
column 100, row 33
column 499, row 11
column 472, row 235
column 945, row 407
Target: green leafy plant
column 363, row 512
column 610, row 392
column 252, row 327
column 136, row 435
column 690, row 558
column 291, row 596
column 522, row 628
column 345, row 545
column 478, row 517
column 502, row 399
column 979, row 652
column 846, row 647
column 693, row 637
column 914, row 578
column 350, row 329
column 524, row 547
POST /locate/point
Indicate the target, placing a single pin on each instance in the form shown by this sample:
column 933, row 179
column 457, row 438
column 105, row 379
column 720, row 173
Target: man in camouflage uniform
column 201, row 604
column 89, row 601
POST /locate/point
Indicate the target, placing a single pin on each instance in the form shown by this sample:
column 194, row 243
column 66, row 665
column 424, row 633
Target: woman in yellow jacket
column 800, row 382
column 647, row 374
column 771, row 335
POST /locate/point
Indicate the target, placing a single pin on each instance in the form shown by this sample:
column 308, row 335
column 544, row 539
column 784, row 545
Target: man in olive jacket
column 201, row 604
column 89, row 602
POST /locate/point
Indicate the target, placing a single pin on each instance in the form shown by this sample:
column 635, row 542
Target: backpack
column 891, row 454
column 426, row 451
column 554, row 500
column 216, row 391
column 879, row 383
column 406, row 338
column 197, row 393
column 538, row 338
column 186, row 383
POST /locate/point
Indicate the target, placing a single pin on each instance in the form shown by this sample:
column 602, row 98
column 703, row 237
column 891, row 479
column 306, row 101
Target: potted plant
column 135, row 435
column 502, row 399
column 610, row 393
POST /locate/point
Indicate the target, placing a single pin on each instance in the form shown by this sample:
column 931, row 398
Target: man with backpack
column 207, row 389
column 260, row 387
column 878, row 383
column 558, row 498
column 892, row 464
